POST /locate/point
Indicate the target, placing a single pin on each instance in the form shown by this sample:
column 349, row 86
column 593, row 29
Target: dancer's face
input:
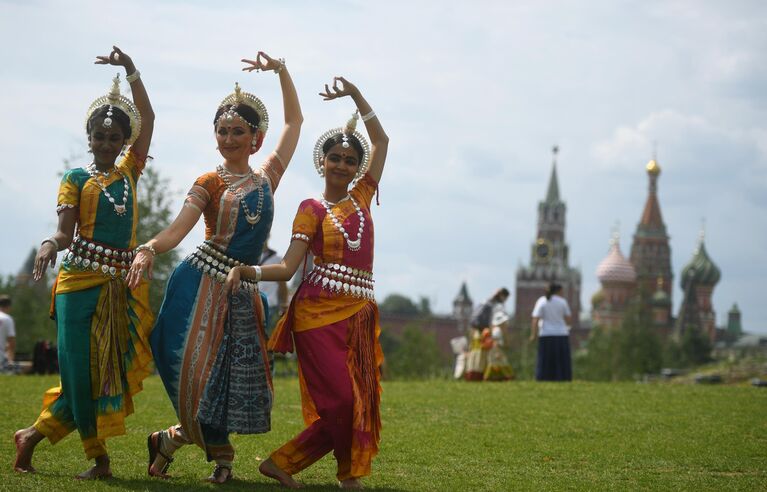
column 105, row 143
column 234, row 139
column 341, row 165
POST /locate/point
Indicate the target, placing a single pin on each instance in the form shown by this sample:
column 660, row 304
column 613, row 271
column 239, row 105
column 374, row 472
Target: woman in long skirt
column 103, row 328
column 210, row 347
column 333, row 317
column 551, row 325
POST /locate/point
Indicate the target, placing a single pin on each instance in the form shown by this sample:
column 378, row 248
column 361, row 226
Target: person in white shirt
column 551, row 326
column 7, row 334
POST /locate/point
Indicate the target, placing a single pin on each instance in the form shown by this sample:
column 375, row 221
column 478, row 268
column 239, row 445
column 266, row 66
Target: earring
column 254, row 143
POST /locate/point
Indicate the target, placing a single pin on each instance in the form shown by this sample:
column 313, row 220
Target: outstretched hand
column 116, row 57
column 346, row 89
column 46, row 255
column 262, row 62
column 142, row 262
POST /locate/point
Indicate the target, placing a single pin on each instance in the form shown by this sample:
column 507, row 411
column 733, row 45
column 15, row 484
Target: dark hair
column 246, row 112
column 338, row 139
column 502, row 292
column 5, row 301
column 118, row 115
column 553, row 289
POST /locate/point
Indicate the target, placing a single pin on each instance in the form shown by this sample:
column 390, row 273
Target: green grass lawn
column 445, row 435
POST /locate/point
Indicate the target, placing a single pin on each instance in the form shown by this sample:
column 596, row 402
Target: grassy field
column 444, row 435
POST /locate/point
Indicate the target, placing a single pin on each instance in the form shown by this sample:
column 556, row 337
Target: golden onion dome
column 653, row 167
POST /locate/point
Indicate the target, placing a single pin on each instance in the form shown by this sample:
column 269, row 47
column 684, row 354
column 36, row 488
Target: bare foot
column 269, row 469
column 26, row 440
column 351, row 483
column 99, row 471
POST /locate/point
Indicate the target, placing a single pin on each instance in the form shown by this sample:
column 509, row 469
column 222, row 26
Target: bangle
column 369, row 116
column 257, row 269
column 281, row 66
column 51, row 240
column 146, row 247
column 133, row 77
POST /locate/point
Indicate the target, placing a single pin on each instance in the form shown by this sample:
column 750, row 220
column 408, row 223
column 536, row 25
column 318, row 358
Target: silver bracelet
column 258, row 273
column 369, row 116
column 51, row 240
column 282, row 65
column 146, row 247
column 133, row 77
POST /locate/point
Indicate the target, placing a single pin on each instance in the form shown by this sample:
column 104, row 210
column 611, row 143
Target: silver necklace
column 257, row 180
column 353, row 245
column 120, row 209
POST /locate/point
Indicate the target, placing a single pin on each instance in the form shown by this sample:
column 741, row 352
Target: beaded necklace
column 353, row 245
column 120, row 209
column 257, row 180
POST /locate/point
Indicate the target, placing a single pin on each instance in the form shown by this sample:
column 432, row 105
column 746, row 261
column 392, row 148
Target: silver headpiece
column 115, row 100
column 248, row 99
column 345, row 132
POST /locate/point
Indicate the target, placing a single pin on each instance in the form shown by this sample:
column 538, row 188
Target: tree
column 30, row 310
column 155, row 214
column 399, row 305
column 416, row 355
column 624, row 352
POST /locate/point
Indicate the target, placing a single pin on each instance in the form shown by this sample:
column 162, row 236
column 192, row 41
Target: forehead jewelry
column 239, row 97
column 116, row 100
column 346, row 132
column 108, row 119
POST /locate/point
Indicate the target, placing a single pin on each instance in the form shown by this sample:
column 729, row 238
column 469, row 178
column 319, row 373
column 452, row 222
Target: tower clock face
column 543, row 249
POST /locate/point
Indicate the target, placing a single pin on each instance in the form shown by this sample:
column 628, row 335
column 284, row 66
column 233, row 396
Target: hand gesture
column 346, row 89
column 262, row 62
column 142, row 262
column 116, row 57
column 232, row 284
column 45, row 255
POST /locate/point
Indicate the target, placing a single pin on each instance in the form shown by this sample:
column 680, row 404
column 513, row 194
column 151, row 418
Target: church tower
column 463, row 308
column 650, row 251
column 548, row 258
column 699, row 277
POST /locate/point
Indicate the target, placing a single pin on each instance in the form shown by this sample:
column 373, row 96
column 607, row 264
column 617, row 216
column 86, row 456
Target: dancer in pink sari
column 333, row 317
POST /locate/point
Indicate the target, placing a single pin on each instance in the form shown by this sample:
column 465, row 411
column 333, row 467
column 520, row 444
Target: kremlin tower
column 650, row 252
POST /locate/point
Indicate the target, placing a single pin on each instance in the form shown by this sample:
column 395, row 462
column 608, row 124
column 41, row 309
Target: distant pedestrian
column 498, row 367
column 551, row 325
column 480, row 336
column 7, row 335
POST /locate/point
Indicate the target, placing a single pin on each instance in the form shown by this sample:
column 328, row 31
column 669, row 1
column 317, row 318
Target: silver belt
column 89, row 255
column 342, row 279
column 217, row 265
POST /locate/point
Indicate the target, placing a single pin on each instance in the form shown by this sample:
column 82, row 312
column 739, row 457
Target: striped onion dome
column 615, row 267
column 701, row 270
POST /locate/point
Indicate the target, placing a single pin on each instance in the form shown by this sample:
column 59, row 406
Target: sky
column 473, row 96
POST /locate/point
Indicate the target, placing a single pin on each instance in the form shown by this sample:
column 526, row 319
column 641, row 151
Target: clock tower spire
column 549, row 256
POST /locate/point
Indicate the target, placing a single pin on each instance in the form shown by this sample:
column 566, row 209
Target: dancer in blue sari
column 210, row 347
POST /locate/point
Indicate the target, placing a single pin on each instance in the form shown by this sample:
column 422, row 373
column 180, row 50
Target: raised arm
column 165, row 240
column 286, row 145
column 379, row 141
column 280, row 271
column 140, row 98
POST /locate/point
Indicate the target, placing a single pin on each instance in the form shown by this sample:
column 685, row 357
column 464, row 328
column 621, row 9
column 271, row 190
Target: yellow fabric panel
column 315, row 312
column 306, row 221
